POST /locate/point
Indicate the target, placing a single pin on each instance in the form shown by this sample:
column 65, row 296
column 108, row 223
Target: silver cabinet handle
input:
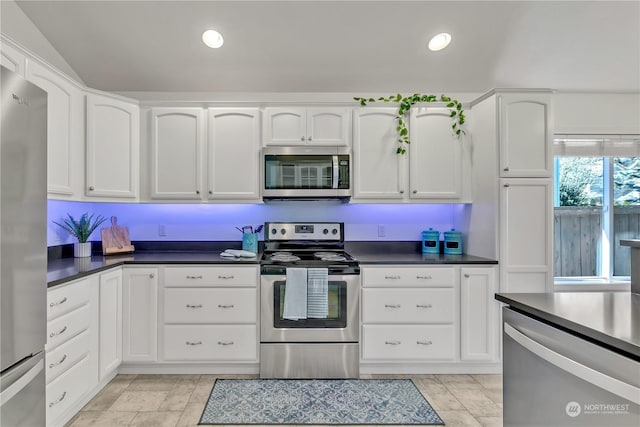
column 393, row 342
column 309, row 139
column 51, row 365
column 226, row 277
column 61, row 331
column 62, row 301
column 506, row 169
column 194, row 343
column 194, row 306
column 424, row 306
column 392, row 277
column 424, row 342
column 210, row 192
column 427, row 277
column 401, row 191
column 60, row 399
column 506, row 185
column 302, row 138
column 392, row 305
column 225, row 342
column 91, row 188
column 466, row 276
column 194, row 277
column 226, row 306
column 577, row 369
column 197, row 191
column 151, row 276
column 415, row 191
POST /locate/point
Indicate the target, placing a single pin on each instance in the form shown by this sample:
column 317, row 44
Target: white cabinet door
column 435, row 155
column 234, row 153
column 525, row 135
column 526, row 235
column 478, row 314
column 12, row 59
column 110, row 354
column 65, row 124
column 113, row 134
column 379, row 171
column 328, row 126
column 140, row 315
column 176, row 153
column 312, row 126
column 284, row 126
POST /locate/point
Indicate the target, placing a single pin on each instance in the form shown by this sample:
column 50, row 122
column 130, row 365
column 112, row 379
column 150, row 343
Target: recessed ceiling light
column 212, row 38
column 439, row 41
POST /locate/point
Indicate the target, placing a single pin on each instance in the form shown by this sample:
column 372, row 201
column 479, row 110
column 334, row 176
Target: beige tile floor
column 178, row 400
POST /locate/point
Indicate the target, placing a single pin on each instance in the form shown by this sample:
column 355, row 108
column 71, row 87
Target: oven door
column 341, row 325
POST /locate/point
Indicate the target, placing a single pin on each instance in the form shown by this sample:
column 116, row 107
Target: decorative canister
column 453, row 242
column 431, row 241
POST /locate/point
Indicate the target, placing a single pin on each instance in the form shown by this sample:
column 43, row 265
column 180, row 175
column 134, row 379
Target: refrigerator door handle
column 21, row 383
column 612, row 385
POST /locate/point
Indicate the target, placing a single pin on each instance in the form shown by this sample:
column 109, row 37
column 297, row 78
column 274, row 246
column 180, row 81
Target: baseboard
column 189, row 368
column 409, row 368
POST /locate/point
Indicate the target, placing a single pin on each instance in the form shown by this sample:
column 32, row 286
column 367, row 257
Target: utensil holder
column 250, row 242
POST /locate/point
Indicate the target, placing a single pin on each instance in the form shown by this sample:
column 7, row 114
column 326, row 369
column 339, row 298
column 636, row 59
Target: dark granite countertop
column 62, row 268
column 611, row 319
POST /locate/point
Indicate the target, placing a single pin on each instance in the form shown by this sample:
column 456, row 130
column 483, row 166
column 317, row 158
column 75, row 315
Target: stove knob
column 325, row 231
column 282, row 231
column 334, row 231
column 274, row 231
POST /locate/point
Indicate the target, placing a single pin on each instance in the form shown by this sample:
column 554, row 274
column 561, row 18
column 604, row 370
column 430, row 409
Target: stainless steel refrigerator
column 23, row 251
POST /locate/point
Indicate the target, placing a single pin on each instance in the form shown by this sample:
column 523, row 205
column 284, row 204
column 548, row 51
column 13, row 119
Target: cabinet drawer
column 408, row 305
column 210, row 342
column 428, row 342
column 64, row 327
column 64, row 356
column 63, row 299
column 67, row 389
column 210, row 276
column 218, row 305
column 408, row 276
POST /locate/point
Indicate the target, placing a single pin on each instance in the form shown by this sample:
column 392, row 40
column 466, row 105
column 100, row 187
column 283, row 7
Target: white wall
column 597, row 113
column 19, row 28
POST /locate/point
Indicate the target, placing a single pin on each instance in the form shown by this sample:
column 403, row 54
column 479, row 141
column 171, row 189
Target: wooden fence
column 577, row 239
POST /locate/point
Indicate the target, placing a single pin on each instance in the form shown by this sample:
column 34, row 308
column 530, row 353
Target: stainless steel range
column 309, row 292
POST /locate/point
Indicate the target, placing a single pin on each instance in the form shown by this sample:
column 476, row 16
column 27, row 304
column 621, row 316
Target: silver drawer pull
column 194, row 343
column 424, row 306
column 225, row 342
column 427, row 277
column 53, row 334
column 424, row 342
column 194, row 277
column 393, row 342
column 226, row 306
column 194, row 306
column 226, row 277
column 60, row 399
column 62, row 301
column 51, row 365
column 392, row 305
column 392, row 277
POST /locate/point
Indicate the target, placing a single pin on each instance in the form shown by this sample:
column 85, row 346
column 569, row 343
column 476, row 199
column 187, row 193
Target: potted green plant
column 81, row 229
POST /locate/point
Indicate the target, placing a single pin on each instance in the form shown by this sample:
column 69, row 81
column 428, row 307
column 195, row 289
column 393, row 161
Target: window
column 596, row 204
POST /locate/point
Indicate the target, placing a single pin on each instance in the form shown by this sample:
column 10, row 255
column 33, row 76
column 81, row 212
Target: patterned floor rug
column 332, row 402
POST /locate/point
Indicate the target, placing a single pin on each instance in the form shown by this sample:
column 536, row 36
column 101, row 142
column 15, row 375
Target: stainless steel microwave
column 306, row 172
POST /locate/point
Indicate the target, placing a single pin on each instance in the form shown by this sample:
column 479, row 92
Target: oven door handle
column 605, row 382
column 336, row 173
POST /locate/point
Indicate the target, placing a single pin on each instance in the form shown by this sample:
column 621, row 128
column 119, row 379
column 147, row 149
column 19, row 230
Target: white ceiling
column 345, row 46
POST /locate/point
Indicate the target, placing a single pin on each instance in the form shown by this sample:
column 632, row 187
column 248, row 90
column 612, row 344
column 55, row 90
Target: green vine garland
column 406, row 102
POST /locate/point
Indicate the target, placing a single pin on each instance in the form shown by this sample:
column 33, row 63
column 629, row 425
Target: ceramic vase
column 81, row 250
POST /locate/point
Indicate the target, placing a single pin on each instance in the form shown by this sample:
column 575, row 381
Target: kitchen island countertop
column 611, row 319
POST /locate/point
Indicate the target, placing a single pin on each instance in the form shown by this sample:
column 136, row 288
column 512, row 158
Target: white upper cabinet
column 234, row 153
column 312, row 126
column 435, row 155
column 65, row 126
column 12, row 59
column 525, row 136
column 113, row 135
column 177, row 136
column 379, row 171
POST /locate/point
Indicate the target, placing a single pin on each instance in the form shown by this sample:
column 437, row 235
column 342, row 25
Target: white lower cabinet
column 209, row 314
column 66, row 390
column 140, row 314
column 409, row 342
column 479, row 325
column 110, row 354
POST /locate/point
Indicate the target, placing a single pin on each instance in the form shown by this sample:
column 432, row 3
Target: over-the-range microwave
column 306, row 173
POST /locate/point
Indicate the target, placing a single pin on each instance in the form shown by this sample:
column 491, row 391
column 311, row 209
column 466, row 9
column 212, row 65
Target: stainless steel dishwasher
column 554, row 378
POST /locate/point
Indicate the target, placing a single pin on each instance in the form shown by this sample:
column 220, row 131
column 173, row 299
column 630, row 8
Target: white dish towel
column 318, row 293
column 295, row 295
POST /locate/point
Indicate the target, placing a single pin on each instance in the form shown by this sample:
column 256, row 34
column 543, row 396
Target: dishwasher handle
column 605, row 382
